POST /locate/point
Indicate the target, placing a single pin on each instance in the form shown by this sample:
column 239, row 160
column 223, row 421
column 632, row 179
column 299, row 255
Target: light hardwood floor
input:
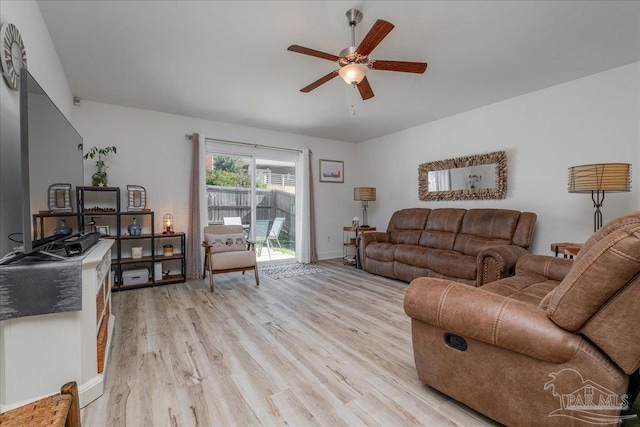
column 328, row 349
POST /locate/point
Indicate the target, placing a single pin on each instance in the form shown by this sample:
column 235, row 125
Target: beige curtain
column 196, row 200
column 313, row 255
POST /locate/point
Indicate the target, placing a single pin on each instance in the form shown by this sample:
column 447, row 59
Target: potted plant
column 99, row 179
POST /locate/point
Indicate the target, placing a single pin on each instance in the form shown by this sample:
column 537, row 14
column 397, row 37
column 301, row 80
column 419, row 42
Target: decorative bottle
column 63, row 229
column 134, row 228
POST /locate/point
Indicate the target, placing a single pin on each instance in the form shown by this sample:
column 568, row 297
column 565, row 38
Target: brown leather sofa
column 553, row 345
column 474, row 246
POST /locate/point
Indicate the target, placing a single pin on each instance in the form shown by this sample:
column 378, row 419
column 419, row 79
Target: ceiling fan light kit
column 353, row 73
column 354, row 61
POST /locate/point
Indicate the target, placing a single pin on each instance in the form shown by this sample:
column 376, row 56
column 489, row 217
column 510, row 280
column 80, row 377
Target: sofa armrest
column 372, row 236
column 364, row 239
column 547, row 266
column 490, row 318
column 497, row 262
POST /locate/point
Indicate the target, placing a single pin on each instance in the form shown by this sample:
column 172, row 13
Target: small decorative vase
column 134, row 228
column 167, row 250
column 63, row 229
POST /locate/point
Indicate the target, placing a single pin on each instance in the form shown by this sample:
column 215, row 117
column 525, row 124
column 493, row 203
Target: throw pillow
column 226, row 242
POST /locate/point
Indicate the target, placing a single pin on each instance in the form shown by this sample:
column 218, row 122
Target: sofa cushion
column 380, row 251
column 437, row 239
column 452, row 264
column 406, row 225
column 408, row 219
column 445, row 219
column 490, row 223
column 441, row 228
column 413, row 255
column 405, row 237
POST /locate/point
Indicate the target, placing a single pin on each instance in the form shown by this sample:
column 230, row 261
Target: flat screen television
column 49, row 155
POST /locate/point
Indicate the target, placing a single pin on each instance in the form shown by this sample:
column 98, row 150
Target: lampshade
column 600, row 177
column 353, row 73
column 364, row 193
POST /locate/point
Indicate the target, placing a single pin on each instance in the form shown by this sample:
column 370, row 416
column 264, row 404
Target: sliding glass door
column 256, row 189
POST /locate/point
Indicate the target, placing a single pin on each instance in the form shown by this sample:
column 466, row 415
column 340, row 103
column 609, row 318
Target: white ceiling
column 228, row 60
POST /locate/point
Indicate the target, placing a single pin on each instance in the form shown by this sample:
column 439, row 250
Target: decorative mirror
column 477, row 177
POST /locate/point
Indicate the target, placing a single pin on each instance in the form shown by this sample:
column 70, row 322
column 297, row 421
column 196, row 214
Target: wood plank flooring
column 328, row 349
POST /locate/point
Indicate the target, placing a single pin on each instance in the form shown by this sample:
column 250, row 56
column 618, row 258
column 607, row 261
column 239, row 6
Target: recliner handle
column 455, row 341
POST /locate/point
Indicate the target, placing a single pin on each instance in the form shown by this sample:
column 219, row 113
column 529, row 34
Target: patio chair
column 261, row 235
column 227, row 250
column 274, row 233
column 232, row 220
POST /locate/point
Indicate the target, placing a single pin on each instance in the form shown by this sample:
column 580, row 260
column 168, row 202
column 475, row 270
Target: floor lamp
column 598, row 178
column 364, row 194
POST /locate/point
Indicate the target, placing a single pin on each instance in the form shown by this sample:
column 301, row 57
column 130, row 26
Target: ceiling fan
column 355, row 62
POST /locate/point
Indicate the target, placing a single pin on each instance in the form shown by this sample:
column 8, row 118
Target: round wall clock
column 14, row 57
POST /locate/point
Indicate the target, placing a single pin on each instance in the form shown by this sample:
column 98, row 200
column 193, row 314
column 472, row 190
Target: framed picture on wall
column 331, row 171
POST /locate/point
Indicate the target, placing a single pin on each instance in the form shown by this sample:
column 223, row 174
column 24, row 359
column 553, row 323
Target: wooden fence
column 236, row 201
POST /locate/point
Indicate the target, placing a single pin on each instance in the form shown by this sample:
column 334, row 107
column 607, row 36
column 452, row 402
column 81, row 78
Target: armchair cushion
column 226, row 242
column 232, row 259
column 592, row 281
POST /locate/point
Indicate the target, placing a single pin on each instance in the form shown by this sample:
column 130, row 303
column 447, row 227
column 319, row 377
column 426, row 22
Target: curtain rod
column 226, row 141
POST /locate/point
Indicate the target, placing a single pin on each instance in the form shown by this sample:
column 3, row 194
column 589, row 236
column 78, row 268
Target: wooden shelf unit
column 39, row 222
column 149, row 240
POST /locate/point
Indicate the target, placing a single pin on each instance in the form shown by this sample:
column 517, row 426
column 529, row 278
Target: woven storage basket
column 50, row 411
column 102, row 341
column 99, row 303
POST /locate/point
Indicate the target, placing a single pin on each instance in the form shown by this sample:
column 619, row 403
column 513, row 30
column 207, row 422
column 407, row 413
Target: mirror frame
column 499, row 158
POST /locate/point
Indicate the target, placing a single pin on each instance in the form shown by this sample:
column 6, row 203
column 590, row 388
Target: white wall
column 591, row 120
column 44, row 65
column 153, row 153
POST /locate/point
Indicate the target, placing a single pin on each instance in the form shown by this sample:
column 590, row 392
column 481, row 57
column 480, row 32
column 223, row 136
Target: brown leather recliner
column 553, row 345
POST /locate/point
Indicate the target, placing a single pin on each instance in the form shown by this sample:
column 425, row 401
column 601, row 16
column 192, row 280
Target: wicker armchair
column 58, row 410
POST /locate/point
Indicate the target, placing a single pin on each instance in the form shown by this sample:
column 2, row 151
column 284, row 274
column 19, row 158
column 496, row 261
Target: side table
column 349, row 245
column 568, row 250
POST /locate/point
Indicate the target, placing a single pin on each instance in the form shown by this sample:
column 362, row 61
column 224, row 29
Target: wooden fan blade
column 312, row 52
column 365, row 89
column 319, row 82
column 373, row 38
column 405, row 67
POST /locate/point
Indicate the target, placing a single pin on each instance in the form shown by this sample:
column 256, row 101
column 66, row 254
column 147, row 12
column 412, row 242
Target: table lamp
column 167, row 223
column 364, row 194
